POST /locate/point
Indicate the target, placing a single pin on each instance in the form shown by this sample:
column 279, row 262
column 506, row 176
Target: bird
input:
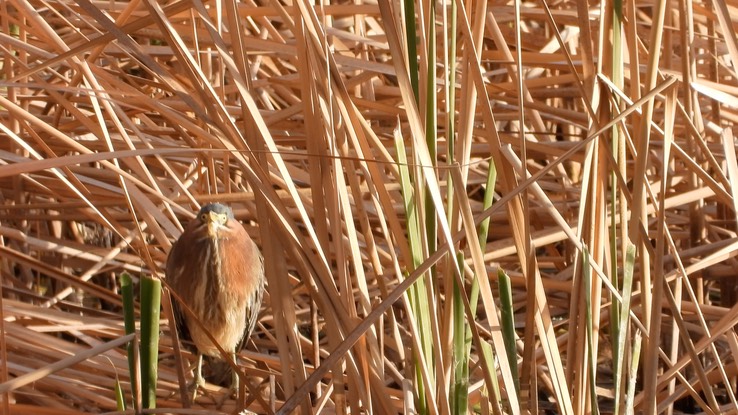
column 217, row 270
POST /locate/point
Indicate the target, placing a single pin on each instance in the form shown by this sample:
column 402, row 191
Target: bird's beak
column 214, row 224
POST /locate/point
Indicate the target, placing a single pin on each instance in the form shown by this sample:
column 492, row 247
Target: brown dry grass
column 118, row 119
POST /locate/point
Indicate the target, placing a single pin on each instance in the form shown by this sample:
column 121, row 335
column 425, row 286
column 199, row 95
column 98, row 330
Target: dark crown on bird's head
column 218, row 208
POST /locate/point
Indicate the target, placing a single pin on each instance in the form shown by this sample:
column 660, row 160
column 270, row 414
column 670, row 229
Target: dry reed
column 361, row 169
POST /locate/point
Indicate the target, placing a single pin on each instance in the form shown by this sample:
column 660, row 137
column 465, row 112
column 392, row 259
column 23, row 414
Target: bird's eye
column 204, row 217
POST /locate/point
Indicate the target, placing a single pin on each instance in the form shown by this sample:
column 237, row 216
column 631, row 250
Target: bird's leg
column 198, row 381
column 234, row 377
column 234, row 384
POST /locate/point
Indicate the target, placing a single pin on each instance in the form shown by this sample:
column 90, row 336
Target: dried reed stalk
column 610, row 127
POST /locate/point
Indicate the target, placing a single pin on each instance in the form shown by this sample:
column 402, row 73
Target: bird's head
column 214, row 220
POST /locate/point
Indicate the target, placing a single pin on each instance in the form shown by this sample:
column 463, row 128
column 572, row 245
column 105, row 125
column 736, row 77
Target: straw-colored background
column 611, row 134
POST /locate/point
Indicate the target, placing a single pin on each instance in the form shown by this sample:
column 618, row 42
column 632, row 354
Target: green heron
column 218, row 271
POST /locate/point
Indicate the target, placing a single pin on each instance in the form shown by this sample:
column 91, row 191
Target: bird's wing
column 173, row 279
column 254, row 303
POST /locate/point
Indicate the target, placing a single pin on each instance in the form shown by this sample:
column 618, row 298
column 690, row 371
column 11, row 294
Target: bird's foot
column 197, row 383
column 232, row 392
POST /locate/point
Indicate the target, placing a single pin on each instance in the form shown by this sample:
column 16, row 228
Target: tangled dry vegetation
column 364, row 176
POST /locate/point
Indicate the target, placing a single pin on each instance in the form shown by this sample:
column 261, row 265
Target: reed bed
column 464, row 206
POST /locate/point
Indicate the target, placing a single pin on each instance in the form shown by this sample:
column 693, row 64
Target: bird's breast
column 223, row 306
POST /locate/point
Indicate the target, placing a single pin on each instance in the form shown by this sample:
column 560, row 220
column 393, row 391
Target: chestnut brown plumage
column 217, row 270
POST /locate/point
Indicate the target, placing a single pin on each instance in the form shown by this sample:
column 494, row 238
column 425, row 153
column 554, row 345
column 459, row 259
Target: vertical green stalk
column 462, row 339
column 417, row 292
column 635, row 360
column 429, row 209
column 507, row 319
column 431, row 129
column 450, row 85
column 489, row 194
column 460, row 383
column 592, row 359
column 412, row 44
column 419, row 302
column 150, row 310
column 462, row 349
column 484, row 231
column 489, row 356
column 421, row 294
column 622, row 324
column 617, row 204
column 129, row 322
column 615, row 308
column 473, row 301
